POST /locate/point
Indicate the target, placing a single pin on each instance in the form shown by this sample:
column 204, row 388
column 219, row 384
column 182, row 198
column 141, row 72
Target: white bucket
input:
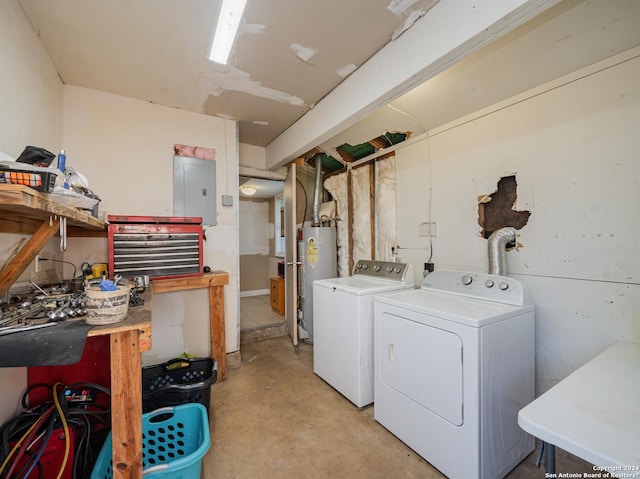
column 106, row 307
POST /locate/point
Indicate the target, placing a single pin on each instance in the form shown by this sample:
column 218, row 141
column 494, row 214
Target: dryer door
column 423, row 363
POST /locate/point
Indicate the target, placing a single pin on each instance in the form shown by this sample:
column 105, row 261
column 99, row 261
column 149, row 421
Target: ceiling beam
column 450, row 31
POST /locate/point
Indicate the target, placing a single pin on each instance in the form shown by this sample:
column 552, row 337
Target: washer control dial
column 503, row 286
column 376, row 268
column 467, row 279
column 489, row 283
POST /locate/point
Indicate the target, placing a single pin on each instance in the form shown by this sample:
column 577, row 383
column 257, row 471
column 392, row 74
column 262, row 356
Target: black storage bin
column 178, row 381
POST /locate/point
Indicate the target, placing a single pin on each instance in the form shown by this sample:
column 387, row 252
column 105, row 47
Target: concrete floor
column 274, row 418
column 258, row 321
column 255, row 312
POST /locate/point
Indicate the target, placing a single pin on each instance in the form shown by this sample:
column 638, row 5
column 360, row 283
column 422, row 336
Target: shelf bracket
column 26, row 255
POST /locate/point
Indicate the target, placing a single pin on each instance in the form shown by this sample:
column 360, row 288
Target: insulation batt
column 337, row 186
column 361, row 213
column 385, row 213
column 386, row 225
column 327, row 211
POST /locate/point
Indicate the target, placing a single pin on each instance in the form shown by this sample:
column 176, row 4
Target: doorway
column 260, row 253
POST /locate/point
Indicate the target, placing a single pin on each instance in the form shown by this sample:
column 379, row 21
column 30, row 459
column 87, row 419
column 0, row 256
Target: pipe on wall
column 317, row 190
column 497, row 249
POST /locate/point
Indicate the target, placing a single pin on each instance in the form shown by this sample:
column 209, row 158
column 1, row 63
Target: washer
column 454, row 363
column 343, row 325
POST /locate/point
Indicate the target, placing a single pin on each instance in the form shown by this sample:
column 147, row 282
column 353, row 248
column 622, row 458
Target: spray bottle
column 62, row 161
column 62, row 166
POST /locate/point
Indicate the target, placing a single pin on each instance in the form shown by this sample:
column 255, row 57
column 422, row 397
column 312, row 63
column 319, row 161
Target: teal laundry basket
column 174, row 441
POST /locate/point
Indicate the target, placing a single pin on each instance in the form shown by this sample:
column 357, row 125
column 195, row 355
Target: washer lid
column 360, row 285
column 452, row 307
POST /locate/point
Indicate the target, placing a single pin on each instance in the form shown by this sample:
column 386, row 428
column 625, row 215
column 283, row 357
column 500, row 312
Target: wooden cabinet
column 277, row 294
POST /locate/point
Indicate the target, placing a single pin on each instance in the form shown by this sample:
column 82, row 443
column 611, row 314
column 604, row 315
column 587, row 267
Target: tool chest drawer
column 155, row 246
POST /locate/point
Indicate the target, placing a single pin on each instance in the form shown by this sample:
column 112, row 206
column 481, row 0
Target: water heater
column 317, row 255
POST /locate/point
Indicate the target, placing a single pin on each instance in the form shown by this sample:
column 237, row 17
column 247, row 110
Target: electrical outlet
column 38, row 267
column 427, row 229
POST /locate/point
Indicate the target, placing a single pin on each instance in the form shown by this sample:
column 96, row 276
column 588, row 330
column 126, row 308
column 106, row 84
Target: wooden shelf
column 23, row 209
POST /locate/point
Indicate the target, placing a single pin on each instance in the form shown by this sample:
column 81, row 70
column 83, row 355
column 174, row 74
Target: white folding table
column 594, row 413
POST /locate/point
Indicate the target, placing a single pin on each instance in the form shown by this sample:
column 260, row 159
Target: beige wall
column 573, row 146
column 256, row 236
column 254, row 273
column 30, row 89
column 31, row 99
column 125, row 148
column 253, row 163
column 254, row 157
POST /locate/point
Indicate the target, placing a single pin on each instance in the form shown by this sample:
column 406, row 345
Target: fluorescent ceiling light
column 226, row 29
column 248, row 190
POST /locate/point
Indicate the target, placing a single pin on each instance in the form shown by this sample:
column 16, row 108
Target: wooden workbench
column 127, row 339
column 215, row 282
column 27, row 211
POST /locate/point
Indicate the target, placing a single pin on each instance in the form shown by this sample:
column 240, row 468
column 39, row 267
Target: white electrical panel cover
column 194, row 188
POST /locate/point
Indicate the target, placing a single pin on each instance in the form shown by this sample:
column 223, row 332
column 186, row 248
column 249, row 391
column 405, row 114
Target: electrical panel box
column 155, row 246
column 194, row 188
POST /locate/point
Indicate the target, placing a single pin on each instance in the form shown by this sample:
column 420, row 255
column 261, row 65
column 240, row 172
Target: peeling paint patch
column 253, row 28
column 346, row 70
column 303, row 53
column 419, row 8
column 497, row 210
column 408, row 23
column 233, row 79
column 399, row 6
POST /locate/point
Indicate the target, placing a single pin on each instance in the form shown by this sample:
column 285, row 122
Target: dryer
column 343, row 325
column 454, row 363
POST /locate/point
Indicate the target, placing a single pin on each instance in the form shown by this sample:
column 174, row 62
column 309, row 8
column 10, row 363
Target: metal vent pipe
column 317, row 191
column 497, row 249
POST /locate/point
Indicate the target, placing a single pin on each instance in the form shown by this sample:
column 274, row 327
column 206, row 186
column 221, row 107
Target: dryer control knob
column 489, row 283
column 389, row 269
column 467, row 279
column 376, row 268
column 503, row 286
column 365, row 266
column 397, row 270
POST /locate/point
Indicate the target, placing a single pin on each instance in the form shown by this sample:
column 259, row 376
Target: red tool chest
column 155, row 246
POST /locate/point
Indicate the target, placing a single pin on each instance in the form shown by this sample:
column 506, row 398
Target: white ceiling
column 292, row 53
column 264, row 188
column 289, row 54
